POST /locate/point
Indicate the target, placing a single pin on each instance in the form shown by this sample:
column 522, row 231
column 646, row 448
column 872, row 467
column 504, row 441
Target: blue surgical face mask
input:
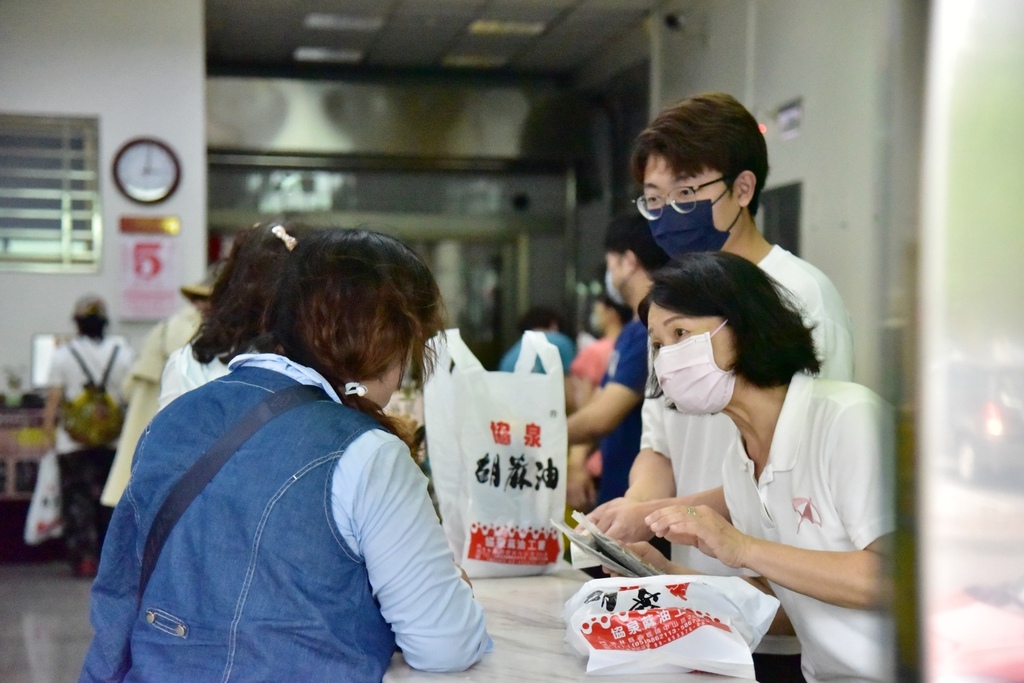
column 682, row 233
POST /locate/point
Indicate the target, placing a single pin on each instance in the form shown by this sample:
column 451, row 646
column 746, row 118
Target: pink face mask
column 691, row 379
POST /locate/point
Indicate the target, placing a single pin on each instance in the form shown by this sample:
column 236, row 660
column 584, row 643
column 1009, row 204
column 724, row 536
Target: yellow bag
column 93, row 418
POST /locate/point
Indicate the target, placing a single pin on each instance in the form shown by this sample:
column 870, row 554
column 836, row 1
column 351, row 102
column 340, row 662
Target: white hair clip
column 355, row 388
column 282, row 234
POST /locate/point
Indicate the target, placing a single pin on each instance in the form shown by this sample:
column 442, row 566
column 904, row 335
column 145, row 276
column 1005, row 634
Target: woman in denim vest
column 314, row 550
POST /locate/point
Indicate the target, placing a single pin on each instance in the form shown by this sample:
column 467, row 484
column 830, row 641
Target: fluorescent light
column 494, row 27
column 343, row 22
column 326, row 54
column 474, row 61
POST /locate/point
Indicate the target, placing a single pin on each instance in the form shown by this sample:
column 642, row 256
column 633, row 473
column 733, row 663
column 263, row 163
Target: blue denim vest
column 255, row 582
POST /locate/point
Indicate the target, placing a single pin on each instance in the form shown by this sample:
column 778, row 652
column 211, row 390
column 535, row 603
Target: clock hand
column 147, row 166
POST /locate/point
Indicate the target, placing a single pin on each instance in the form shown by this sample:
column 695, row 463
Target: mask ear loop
column 719, row 327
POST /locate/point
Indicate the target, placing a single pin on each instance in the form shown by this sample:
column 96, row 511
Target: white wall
column 834, row 56
column 139, row 68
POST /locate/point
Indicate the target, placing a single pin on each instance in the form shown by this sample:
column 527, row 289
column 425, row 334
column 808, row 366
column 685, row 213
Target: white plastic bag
column 497, row 448
column 44, row 520
column 666, row 624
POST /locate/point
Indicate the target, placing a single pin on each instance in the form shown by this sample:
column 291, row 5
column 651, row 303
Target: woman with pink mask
column 806, row 508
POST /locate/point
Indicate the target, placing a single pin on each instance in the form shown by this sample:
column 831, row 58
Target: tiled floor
column 44, row 623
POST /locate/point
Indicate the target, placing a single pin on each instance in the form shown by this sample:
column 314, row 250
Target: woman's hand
column 703, row 528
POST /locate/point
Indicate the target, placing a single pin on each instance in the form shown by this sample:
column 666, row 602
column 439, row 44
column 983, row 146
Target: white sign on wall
column 790, row 118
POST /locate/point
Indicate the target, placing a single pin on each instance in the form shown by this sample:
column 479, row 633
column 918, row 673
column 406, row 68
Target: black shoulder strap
column 207, row 466
column 81, row 364
column 110, row 366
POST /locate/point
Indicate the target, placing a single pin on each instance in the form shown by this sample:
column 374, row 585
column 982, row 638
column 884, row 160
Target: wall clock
column 146, row 170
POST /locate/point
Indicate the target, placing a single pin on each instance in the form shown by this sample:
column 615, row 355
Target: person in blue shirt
column 547, row 320
column 314, row 551
column 612, row 417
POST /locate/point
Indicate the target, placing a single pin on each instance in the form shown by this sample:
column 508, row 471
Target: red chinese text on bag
column 663, row 624
column 497, row 448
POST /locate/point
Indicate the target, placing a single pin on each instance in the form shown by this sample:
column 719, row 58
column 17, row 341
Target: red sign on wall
column 150, row 267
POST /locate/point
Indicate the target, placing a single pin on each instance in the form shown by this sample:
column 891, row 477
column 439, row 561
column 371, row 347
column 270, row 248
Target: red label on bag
column 678, row 590
column 646, row 629
column 513, row 545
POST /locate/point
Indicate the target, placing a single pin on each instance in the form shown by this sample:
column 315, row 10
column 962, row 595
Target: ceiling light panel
column 474, row 61
column 326, row 55
column 461, row 10
column 525, row 10
column 344, row 22
column 495, row 27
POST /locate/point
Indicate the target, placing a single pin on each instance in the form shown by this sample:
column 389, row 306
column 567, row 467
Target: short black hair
column 541, row 318
column 630, row 232
column 623, row 312
column 772, row 341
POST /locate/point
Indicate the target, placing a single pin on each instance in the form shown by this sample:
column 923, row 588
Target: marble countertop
column 524, row 618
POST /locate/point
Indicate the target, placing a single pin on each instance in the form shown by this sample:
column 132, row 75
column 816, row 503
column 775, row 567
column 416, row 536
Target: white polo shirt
column 696, row 444
column 824, row 487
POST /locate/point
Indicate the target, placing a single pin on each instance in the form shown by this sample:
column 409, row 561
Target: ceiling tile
column 438, row 8
column 420, row 33
column 525, row 10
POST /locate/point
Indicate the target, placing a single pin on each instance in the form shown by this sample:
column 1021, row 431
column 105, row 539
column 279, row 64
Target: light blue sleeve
column 383, row 512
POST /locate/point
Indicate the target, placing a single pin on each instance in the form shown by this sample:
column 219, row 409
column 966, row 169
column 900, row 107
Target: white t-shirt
column 67, row 373
column 184, row 373
column 824, row 487
column 696, row 443
column 822, row 307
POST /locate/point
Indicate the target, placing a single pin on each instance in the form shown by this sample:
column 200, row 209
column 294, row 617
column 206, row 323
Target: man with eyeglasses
column 702, row 164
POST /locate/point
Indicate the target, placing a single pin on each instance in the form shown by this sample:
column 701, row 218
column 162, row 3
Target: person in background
column 612, row 417
column 541, row 319
column 142, row 387
column 703, row 164
column 88, row 358
column 314, row 550
column 587, row 369
column 806, row 486
column 607, row 319
column 547, row 320
column 243, row 287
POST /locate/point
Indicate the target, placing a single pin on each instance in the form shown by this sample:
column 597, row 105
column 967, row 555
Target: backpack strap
column 110, row 366
column 206, row 467
column 81, row 364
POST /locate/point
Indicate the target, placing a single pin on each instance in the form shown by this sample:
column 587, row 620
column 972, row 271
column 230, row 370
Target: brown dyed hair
column 241, row 293
column 349, row 303
column 712, row 131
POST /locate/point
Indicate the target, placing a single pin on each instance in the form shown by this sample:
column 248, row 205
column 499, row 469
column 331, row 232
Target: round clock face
column 146, row 170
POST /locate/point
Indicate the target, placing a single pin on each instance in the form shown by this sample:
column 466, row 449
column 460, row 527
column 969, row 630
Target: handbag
column 44, row 520
column 496, row 442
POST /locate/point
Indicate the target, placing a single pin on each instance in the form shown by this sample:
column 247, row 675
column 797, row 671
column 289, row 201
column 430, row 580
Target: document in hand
column 603, row 548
